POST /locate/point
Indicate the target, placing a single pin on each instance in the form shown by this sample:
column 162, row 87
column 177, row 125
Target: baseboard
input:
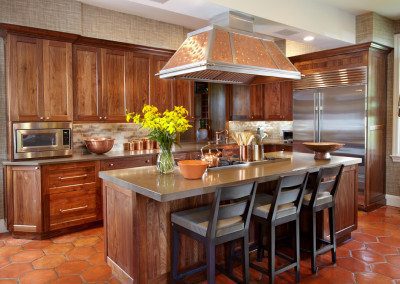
column 393, row 200
column 3, row 227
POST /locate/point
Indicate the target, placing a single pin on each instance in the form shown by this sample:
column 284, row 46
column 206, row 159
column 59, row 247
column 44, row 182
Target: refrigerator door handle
column 319, row 116
column 315, row 118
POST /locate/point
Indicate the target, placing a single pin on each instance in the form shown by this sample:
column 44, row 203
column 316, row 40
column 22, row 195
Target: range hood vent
column 225, row 55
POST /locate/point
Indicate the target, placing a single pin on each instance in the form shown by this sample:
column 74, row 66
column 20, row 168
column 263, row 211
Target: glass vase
column 165, row 161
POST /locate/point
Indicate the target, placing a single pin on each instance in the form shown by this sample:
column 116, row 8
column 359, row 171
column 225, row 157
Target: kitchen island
column 137, row 204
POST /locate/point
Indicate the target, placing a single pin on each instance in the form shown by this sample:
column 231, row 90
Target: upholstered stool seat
column 196, row 220
column 262, row 206
column 321, row 198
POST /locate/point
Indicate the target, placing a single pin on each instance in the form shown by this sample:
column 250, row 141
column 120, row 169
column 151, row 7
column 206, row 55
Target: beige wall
column 73, row 17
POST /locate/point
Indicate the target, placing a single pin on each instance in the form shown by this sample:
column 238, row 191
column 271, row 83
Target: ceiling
column 387, row 8
column 331, row 22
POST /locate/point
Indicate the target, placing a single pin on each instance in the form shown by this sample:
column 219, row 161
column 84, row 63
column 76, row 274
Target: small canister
column 137, row 145
column 246, row 153
column 258, row 152
column 148, row 144
column 127, row 146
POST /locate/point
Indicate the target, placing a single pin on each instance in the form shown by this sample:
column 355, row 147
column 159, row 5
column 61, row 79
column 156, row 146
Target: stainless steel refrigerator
column 334, row 114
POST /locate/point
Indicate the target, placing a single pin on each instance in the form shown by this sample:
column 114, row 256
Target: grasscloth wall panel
column 111, row 25
column 73, row 17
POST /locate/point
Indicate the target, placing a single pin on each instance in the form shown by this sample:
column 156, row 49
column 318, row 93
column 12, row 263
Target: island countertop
column 148, row 182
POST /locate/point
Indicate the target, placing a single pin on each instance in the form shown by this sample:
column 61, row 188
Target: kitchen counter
column 82, row 157
column 137, row 203
column 148, row 182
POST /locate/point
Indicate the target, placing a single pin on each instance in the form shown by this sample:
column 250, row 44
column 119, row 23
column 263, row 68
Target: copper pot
column 99, row 145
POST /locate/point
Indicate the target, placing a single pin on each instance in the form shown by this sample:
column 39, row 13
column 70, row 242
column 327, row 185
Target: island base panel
column 138, row 229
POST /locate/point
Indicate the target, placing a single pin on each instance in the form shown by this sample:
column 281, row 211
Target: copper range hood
column 228, row 55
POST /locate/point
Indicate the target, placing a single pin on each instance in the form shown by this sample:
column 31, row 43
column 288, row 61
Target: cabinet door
column 256, row 102
column 240, row 102
column 113, row 102
column 137, row 81
column 272, row 101
column 286, row 100
column 24, row 203
column 184, row 96
column 87, row 92
column 161, row 94
column 24, row 78
column 57, row 80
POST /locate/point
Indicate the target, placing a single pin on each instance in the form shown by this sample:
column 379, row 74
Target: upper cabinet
column 184, row 96
column 137, row 81
column 161, row 93
column 87, row 91
column 271, row 101
column 39, row 79
column 278, row 101
column 113, row 85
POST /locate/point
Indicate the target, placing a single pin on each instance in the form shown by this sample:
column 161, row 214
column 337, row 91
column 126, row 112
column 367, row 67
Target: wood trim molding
column 339, row 50
column 78, row 39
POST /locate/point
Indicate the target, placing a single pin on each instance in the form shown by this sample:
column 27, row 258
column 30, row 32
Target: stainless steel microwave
column 42, row 139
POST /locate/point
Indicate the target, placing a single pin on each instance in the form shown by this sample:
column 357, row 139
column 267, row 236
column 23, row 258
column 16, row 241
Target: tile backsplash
column 272, row 128
column 121, row 132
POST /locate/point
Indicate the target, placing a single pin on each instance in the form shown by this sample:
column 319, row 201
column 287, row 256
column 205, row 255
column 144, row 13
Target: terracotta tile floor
column 372, row 256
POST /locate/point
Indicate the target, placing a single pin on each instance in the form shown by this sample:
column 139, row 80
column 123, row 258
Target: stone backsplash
column 272, row 128
column 121, row 132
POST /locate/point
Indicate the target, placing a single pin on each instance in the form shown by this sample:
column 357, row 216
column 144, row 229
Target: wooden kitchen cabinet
column 256, row 102
column 161, row 94
column 184, row 96
column 24, row 199
column 113, row 102
column 137, row 81
column 39, row 79
column 278, row 101
column 87, row 91
column 57, row 80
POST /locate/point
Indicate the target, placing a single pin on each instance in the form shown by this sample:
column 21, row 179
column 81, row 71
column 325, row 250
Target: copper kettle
column 212, row 159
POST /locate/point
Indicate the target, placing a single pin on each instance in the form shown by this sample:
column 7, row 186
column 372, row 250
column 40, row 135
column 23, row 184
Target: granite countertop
column 148, row 182
column 82, row 157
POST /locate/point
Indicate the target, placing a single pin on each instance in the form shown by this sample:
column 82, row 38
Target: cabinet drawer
column 70, row 174
column 74, row 207
column 131, row 162
column 195, row 155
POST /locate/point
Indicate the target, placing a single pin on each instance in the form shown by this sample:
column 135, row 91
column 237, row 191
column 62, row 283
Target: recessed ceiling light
column 308, row 38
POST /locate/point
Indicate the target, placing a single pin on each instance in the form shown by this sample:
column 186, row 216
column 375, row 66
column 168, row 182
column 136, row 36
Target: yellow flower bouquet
column 163, row 128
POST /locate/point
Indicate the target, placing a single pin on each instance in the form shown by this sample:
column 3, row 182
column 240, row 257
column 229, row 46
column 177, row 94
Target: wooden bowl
column 192, row 169
column 99, row 145
column 322, row 149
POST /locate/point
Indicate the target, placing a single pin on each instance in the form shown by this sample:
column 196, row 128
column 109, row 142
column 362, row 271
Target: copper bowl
column 192, row 169
column 99, row 145
column 322, row 149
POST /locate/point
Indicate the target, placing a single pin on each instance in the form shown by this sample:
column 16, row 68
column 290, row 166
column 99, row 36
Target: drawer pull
column 73, row 209
column 147, row 161
column 111, row 164
column 72, row 177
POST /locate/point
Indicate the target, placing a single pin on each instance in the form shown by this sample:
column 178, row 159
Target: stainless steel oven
column 42, row 139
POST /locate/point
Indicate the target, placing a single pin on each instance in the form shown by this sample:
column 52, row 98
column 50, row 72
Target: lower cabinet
column 278, row 147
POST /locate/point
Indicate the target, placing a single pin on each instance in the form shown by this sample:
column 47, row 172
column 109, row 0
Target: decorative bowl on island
column 192, row 169
column 99, row 145
column 323, row 149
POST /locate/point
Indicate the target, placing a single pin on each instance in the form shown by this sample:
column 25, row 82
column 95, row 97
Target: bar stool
column 226, row 220
column 271, row 211
column 320, row 197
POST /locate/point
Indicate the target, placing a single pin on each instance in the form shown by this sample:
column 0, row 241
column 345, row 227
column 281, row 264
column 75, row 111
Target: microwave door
column 36, row 140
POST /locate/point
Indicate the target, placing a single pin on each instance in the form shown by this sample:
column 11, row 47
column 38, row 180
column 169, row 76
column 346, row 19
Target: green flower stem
column 165, row 161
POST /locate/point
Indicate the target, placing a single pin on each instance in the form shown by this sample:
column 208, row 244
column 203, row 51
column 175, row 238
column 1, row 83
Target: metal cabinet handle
column 111, row 164
column 72, row 177
column 147, row 161
column 105, row 117
column 100, row 117
column 41, row 118
column 73, row 209
column 36, row 168
column 47, row 117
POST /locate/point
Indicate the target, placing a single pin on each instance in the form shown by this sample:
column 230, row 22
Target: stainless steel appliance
column 332, row 114
column 42, row 139
column 287, row 136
